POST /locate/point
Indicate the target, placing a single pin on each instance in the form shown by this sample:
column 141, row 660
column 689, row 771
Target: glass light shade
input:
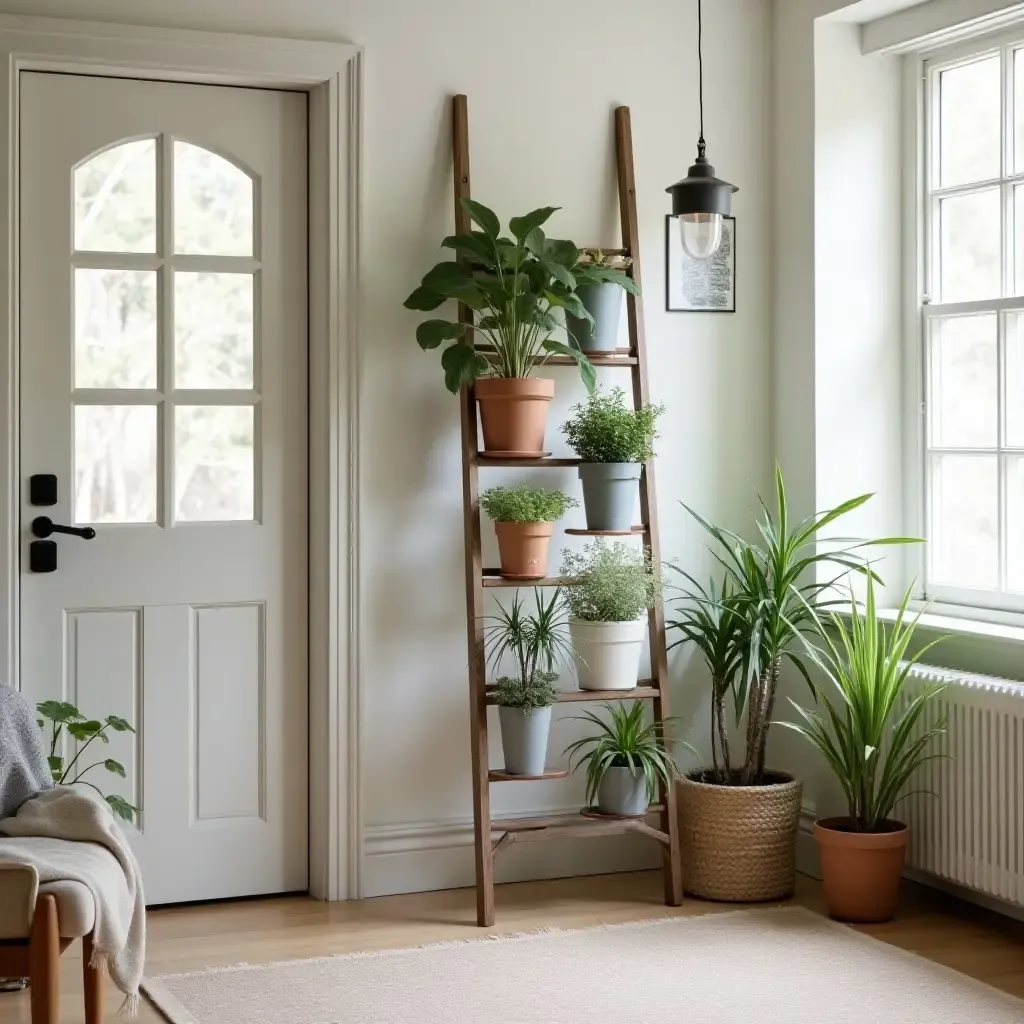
column 701, row 234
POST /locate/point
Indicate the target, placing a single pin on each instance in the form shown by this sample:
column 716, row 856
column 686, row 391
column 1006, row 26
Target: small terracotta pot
column 514, row 413
column 861, row 871
column 523, row 549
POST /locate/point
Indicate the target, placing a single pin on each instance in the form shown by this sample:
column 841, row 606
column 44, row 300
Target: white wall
column 542, row 80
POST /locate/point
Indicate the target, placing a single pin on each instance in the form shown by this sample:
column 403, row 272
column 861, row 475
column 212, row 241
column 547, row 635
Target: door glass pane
column 213, row 330
column 963, row 376
column 212, row 204
column 115, row 464
column 1015, row 521
column 969, row 116
column 969, row 246
column 115, row 328
column 1018, row 110
column 115, row 199
column 964, row 547
column 213, row 462
column 1014, row 381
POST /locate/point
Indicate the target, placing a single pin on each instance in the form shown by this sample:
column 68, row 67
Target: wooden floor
column 986, row 946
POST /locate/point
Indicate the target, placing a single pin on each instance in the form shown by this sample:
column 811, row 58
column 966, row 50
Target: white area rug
column 785, row 966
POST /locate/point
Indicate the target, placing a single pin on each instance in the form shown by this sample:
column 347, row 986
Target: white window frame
column 921, row 75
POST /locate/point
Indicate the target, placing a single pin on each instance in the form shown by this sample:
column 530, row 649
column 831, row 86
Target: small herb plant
column 611, row 583
column 536, row 642
column 63, row 716
column 604, row 429
column 624, row 740
column 525, row 504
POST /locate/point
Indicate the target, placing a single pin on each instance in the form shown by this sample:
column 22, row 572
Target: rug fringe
column 130, row 1006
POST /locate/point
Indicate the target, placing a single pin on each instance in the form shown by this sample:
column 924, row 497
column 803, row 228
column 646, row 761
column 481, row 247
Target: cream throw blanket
column 71, row 834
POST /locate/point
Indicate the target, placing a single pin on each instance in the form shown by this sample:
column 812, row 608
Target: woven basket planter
column 739, row 842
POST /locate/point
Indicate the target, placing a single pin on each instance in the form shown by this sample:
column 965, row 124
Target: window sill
column 1007, row 627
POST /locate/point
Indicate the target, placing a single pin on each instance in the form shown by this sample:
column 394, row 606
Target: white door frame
column 332, row 75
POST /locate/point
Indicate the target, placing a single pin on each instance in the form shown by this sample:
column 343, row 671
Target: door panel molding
column 332, row 75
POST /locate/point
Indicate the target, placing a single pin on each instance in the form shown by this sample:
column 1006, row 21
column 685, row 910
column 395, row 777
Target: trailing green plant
column 527, row 695
column 774, row 589
column 867, row 731
column 604, row 429
column 512, row 286
column 63, row 717
column 536, row 642
column 610, row 582
column 525, row 504
column 624, row 740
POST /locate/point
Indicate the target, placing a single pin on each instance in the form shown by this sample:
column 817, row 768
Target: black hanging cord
column 700, row 73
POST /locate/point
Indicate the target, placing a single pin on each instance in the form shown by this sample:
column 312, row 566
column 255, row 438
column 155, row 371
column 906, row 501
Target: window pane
column 212, row 204
column 1014, row 380
column 115, row 200
column 963, row 378
column 970, row 236
column 115, row 464
column 1018, row 110
column 1015, row 519
column 213, row 464
column 213, row 330
column 964, row 545
column 969, row 116
column 115, row 328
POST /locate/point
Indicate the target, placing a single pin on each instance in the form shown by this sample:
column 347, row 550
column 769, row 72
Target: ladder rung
column 642, row 691
column 595, row 360
column 496, row 775
column 483, row 459
column 633, row 531
column 493, row 578
column 562, row 821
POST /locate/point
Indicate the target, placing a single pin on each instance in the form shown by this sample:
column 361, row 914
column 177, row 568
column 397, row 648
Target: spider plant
column 624, row 740
column 872, row 755
column 775, row 590
column 537, row 642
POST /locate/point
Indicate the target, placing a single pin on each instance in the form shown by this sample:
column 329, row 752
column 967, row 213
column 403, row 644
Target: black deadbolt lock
column 42, row 489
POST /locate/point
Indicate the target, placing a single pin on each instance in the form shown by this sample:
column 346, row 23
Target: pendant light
column 701, row 200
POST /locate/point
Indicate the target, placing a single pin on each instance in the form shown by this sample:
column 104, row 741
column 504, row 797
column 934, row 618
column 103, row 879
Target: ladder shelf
column 493, row 836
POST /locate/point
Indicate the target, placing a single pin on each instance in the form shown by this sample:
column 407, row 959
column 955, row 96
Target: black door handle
column 43, row 526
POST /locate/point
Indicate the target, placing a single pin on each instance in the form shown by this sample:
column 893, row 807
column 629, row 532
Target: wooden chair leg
column 93, row 979
column 44, row 962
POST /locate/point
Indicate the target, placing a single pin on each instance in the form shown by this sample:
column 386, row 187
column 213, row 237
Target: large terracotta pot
column 514, row 414
column 739, row 842
column 861, row 871
column 523, row 549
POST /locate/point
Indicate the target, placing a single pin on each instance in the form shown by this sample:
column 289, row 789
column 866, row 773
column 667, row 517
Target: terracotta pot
column 523, row 549
column 739, row 842
column 514, row 413
column 861, row 871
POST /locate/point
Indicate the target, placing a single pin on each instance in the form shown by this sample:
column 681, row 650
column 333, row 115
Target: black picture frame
column 683, row 291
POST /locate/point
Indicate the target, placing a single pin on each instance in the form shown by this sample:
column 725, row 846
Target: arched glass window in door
column 166, row 387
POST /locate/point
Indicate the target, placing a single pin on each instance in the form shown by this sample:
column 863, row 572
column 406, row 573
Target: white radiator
column 971, row 831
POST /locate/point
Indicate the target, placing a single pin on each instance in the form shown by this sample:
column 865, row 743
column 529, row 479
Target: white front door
column 163, row 382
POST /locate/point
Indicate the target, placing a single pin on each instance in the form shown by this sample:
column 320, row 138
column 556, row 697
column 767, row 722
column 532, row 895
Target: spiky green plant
column 872, row 747
column 537, row 642
column 624, row 740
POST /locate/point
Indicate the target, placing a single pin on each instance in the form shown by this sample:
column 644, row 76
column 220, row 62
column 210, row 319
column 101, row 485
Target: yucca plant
column 872, row 747
column 775, row 591
column 624, row 740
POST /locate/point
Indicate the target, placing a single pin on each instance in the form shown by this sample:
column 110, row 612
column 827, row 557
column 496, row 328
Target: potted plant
column 524, row 518
column 612, row 586
column 627, row 760
column 536, row 644
column 512, row 285
column 614, row 442
column 598, row 332
column 739, row 817
column 873, row 739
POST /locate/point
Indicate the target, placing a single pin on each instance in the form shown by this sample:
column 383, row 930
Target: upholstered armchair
column 37, row 923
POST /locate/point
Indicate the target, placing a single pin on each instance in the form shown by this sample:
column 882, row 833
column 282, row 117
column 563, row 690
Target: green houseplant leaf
column 487, row 219
column 432, row 333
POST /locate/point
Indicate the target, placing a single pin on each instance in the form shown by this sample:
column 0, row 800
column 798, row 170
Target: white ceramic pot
column 607, row 654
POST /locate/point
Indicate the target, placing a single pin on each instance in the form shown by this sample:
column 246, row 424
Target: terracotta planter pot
column 739, row 842
column 861, row 871
column 514, row 414
column 523, row 549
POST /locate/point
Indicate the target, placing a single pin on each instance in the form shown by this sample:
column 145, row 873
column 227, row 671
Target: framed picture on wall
column 700, row 286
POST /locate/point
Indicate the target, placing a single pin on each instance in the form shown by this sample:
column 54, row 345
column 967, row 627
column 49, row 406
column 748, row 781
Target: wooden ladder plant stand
column 534, row 829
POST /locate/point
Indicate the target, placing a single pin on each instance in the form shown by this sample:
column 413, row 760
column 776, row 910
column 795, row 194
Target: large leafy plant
column 63, row 717
column 774, row 590
column 525, row 504
column 866, row 730
column 624, row 740
column 513, row 285
column 603, row 429
column 610, row 583
column 536, row 642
